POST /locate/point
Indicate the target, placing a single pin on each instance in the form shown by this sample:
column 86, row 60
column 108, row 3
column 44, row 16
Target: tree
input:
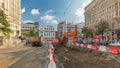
column 4, row 24
column 31, row 33
column 84, row 31
column 87, row 32
column 101, row 27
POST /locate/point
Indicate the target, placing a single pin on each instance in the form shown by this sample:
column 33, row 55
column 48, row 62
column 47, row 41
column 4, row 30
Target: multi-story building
column 65, row 27
column 36, row 26
column 12, row 10
column 47, row 33
column 26, row 27
column 108, row 10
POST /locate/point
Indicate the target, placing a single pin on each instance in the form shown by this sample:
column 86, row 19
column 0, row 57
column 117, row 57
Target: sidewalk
column 10, row 48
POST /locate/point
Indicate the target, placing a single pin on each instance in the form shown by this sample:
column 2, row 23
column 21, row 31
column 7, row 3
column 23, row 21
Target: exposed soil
column 76, row 57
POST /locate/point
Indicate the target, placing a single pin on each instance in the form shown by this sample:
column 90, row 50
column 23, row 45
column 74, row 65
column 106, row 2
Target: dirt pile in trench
column 83, row 58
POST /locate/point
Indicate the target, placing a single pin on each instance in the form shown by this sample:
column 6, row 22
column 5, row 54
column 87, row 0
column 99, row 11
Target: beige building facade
column 108, row 10
column 12, row 10
column 65, row 26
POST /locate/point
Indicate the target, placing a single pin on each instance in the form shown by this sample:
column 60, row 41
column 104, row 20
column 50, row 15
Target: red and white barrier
column 103, row 48
column 52, row 58
column 95, row 47
column 114, row 50
column 77, row 44
column 111, row 49
column 69, row 43
column 73, row 43
column 81, row 45
column 85, row 46
column 89, row 46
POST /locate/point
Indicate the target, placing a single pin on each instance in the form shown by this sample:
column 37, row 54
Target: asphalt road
column 35, row 59
column 24, row 57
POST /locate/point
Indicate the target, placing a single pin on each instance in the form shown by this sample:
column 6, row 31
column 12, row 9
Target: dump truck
column 34, row 41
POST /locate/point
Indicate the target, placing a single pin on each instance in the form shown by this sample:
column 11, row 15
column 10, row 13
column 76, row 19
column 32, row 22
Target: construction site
column 73, row 54
column 78, row 57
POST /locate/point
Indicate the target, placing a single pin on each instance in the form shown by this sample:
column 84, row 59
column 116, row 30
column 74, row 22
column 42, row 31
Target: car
column 116, row 43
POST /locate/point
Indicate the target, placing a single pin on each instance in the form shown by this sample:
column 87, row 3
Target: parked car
column 116, row 43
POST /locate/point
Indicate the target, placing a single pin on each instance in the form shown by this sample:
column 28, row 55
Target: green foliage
column 87, row 32
column 31, row 33
column 4, row 28
column 101, row 27
column 84, row 30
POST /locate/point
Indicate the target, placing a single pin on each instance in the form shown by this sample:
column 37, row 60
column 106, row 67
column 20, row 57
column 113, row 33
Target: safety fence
column 51, row 57
column 102, row 48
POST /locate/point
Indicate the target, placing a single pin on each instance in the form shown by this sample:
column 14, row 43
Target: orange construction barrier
column 95, row 47
column 114, row 50
column 85, row 46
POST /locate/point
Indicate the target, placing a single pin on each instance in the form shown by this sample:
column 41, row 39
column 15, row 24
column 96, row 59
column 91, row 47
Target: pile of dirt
column 84, row 58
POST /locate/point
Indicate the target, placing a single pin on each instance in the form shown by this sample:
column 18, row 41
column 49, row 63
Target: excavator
column 64, row 38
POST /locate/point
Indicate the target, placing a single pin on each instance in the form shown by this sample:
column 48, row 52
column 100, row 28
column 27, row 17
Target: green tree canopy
column 87, row 32
column 31, row 33
column 101, row 27
column 4, row 24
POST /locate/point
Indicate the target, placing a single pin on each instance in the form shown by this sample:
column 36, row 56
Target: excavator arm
column 64, row 37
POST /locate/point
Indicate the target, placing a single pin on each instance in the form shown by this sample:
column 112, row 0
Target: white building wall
column 48, row 33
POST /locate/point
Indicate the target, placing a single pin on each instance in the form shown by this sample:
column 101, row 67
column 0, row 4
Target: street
column 23, row 57
column 60, row 34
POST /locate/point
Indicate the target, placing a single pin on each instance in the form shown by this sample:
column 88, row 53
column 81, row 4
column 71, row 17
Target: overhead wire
column 67, row 8
column 25, row 4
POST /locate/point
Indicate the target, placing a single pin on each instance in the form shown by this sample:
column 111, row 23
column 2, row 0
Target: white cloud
column 49, row 11
column 54, row 21
column 35, row 11
column 80, row 11
column 47, row 18
column 26, row 21
column 23, row 10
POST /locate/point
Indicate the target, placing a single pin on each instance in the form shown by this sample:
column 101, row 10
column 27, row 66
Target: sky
column 52, row 12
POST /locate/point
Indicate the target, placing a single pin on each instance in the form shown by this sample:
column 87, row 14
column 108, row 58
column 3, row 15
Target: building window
column 3, row 5
column 48, row 33
column 44, row 33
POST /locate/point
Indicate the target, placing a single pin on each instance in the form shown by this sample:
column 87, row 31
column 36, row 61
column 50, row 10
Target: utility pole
column 65, row 25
